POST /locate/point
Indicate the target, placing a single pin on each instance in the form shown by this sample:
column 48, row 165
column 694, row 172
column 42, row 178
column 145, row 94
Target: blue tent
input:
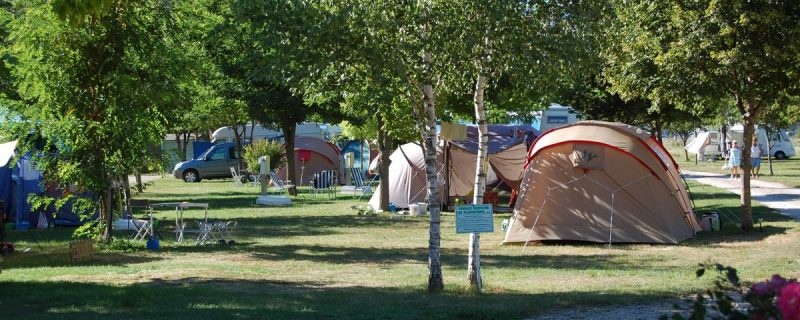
column 6, row 155
column 25, row 180
column 360, row 151
column 18, row 180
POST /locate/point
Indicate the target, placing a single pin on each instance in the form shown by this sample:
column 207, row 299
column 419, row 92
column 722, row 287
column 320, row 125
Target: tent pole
column 611, row 221
column 546, row 197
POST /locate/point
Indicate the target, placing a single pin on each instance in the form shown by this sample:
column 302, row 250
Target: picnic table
column 207, row 231
column 180, row 207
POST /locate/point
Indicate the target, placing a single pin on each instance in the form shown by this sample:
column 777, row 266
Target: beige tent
column 506, row 157
column 601, row 182
column 311, row 155
column 407, row 179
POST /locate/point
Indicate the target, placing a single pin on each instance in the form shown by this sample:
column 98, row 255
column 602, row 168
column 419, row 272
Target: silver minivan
column 214, row 163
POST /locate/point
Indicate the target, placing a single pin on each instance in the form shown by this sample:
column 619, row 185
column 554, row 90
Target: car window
column 232, row 153
column 218, row 155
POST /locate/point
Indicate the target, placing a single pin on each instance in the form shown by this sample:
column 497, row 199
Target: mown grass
column 318, row 259
column 786, row 172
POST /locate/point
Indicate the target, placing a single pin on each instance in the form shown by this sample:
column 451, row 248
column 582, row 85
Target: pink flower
column 789, row 301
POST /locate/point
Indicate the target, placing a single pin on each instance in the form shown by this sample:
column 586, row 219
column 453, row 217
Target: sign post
column 475, row 218
column 263, row 162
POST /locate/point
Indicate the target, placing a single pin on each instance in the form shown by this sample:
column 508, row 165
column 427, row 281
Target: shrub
column 275, row 151
column 776, row 298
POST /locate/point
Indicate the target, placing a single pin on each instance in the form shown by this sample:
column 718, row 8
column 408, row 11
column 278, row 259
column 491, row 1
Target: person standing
column 755, row 157
column 735, row 159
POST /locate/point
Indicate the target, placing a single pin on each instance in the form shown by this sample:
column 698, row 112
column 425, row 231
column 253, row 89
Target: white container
column 423, row 208
column 413, row 209
column 710, row 222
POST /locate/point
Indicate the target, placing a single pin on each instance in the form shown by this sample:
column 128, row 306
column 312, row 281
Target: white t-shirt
column 755, row 151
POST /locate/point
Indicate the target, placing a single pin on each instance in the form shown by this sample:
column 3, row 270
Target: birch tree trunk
column 435, row 280
column 473, row 263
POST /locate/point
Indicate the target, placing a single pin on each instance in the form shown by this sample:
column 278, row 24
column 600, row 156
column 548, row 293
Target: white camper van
column 782, row 146
column 225, row 134
column 555, row 116
column 709, row 143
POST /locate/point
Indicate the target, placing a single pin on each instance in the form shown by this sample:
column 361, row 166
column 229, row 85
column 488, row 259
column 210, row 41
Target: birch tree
column 523, row 51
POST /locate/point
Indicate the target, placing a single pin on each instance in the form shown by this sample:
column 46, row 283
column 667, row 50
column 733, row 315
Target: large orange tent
column 601, row 182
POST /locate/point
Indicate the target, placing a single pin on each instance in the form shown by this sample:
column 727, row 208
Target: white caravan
column 555, row 116
column 782, row 146
column 225, row 134
column 709, row 143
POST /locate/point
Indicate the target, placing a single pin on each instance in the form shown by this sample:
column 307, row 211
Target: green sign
column 474, row 218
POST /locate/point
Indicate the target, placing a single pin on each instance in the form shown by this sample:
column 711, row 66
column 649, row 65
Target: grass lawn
column 786, row 171
column 318, row 259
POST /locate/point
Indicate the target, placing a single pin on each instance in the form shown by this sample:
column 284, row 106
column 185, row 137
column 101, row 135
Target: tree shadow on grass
column 240, row 200
column 58, row 257
column 193, row 298
column 456, row 258
column 287, row 226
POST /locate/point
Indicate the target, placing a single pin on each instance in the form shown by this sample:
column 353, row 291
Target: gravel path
column 771, row 194
column 618, row 312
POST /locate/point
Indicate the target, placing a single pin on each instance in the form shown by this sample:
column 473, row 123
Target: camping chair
column 366, row 188
column 280, row 185
column 255, row 180
column 205, row 232
column 324, row 181
column 223, row 229
column 142, row 227
column 358, row 187
column 238, row 179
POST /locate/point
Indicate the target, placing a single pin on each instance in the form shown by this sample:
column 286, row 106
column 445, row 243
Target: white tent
column 456, row 164
column 699, row 143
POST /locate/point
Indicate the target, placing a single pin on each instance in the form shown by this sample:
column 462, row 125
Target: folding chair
column 255, row 180
column 280, row 185
column 205, row 232
column 142, row 228
column 358, row 187
column 224, row 229
column 238, row 179
column 324, row 181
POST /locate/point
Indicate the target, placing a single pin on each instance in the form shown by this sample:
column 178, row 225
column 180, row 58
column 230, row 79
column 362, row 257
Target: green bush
column 275, row 151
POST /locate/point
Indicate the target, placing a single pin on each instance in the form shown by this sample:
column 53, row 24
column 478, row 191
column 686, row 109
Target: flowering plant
column 776, row 298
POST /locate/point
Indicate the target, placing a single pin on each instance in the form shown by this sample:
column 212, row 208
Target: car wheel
column 191, row 176
column 780, row 155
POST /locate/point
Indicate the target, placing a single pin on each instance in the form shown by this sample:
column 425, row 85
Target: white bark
column 473, row 270
column 435, row 280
